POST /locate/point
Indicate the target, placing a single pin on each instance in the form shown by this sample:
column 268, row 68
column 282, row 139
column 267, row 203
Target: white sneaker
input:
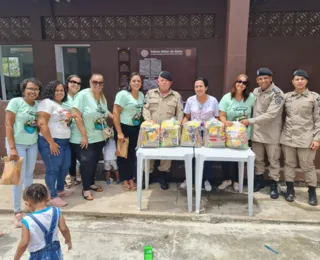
column 207, row 186
column 236, row 186
column 183, row 185
column 225, row 185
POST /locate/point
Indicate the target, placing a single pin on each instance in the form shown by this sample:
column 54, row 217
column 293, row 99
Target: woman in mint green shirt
column 22, row 137
column 73, row 87
column 127, row 117
column 235, row 106
column 90, row 111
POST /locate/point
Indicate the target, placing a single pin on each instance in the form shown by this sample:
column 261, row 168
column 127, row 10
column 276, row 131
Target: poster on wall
column 123, row 67
column 180, row 62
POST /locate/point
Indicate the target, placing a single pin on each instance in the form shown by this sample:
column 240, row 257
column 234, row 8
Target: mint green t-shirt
column 93, row 115
column 25, row 124
column 132, row 108
column 236, row 110
column 68, row 104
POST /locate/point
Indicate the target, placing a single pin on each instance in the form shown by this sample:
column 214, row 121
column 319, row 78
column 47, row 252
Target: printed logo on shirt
column 100, row 122
column 30, row 126
column 65, row 118
column 137, row 118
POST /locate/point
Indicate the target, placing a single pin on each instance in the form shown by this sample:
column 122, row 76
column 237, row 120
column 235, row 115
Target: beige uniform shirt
column 302, row 124
column 159, row 108
column 267, row 115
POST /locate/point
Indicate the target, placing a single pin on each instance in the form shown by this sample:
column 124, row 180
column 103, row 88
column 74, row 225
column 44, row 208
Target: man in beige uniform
column 267, row 124
column 162, row 104
column 300, row 135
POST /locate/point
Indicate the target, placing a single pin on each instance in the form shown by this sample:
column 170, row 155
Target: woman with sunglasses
column 90, row 111
column 73, row 87
column 22, row 137
column 235, row 106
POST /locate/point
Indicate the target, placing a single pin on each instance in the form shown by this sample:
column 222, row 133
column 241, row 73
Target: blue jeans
column 29, row 153
column 57, row 166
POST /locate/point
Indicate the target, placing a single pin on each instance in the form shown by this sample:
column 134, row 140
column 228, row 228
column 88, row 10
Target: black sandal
column 98, row 189
column 89, row 197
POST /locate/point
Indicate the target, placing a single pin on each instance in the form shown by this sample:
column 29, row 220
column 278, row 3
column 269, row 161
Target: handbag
column 122, row 148
column 107, row 132
column 12, row 171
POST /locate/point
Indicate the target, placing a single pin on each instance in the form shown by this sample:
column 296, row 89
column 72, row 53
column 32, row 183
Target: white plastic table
column 229, row 155
column 172, row 153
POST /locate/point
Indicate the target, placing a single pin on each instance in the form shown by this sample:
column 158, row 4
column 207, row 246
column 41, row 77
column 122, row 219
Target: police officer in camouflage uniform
column 267, row 124
column 161, row 104
column 300, row 137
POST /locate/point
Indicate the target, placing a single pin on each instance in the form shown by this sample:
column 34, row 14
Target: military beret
column 264, row 72
column 166, row 75
column 301, row 73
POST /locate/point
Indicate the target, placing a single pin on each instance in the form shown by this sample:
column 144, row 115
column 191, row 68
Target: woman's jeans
column 29, row 153
column 57, row 166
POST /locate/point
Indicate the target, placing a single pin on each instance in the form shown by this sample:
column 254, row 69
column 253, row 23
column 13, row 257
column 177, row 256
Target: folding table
column 144, row 155
column 229, row 155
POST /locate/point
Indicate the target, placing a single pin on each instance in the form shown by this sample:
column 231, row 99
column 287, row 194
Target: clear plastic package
column 236, row 136
column 149, row 135
column 191, row 134
column 170, row 133
column 214, row 134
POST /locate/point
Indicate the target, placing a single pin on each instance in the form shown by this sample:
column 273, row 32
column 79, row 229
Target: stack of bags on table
column 213, row 134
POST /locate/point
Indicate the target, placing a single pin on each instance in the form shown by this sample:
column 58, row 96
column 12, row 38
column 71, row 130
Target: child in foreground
column 40, row 228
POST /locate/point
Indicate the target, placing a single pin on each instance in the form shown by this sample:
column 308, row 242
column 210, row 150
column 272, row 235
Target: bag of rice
column 170, row 133
column 191, row 134
column 236, row 136
column 214, row 135
column 149, row 135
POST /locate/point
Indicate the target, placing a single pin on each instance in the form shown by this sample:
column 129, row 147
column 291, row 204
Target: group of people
column 68, row 125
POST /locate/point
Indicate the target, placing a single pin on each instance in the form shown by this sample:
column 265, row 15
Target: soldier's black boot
column 312, row 196
column 258, row 182
column 274, row 194
column 163, row 182
column 290, row 191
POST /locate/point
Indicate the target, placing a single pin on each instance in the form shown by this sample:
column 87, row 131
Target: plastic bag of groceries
column 214, row 134
column 170, row 133
column 236, row 136
column 191, row 134
column 149, row 135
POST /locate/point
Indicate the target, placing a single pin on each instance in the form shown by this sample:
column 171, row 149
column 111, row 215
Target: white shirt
column 202, row 112
column 109, row 150
column 59, row 122
column 37, row 241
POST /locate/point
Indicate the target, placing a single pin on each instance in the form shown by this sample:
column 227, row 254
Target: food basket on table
column 236, row 136
column 214, row 134
column 170, row 133
column 149, row 135
column 191, row 134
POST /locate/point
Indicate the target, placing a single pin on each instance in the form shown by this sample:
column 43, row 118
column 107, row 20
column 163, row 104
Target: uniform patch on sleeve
column 278, row 99
column 276, row 90
column 318, row 101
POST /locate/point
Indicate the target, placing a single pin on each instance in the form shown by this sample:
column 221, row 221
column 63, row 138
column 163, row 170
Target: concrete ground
column 100, row 238
column 172, row 204
column 111, row 227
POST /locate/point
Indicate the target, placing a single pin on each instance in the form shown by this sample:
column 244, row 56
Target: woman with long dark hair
column 90, row 112
column 127, row 117
column 235, row 106
column 22, row 137
column 73, row 87
column 53, row 142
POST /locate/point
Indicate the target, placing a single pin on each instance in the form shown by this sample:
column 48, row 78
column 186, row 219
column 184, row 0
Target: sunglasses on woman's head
column 75, row 82
column 242, row 82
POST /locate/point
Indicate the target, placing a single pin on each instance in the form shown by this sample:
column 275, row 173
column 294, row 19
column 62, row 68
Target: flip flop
column 89, row 197
column 97, row 189
column 126, row 187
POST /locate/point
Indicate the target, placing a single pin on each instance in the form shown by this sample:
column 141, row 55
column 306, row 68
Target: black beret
column 166, row 75
column 301, row 73
column 264, row 72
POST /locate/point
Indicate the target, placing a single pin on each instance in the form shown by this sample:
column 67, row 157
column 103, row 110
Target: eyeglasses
column 245, row 83
column 33, row 89
column 98, row 83
column 75, row 82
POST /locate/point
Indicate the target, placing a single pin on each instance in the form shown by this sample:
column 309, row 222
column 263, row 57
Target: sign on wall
column 124, row 67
